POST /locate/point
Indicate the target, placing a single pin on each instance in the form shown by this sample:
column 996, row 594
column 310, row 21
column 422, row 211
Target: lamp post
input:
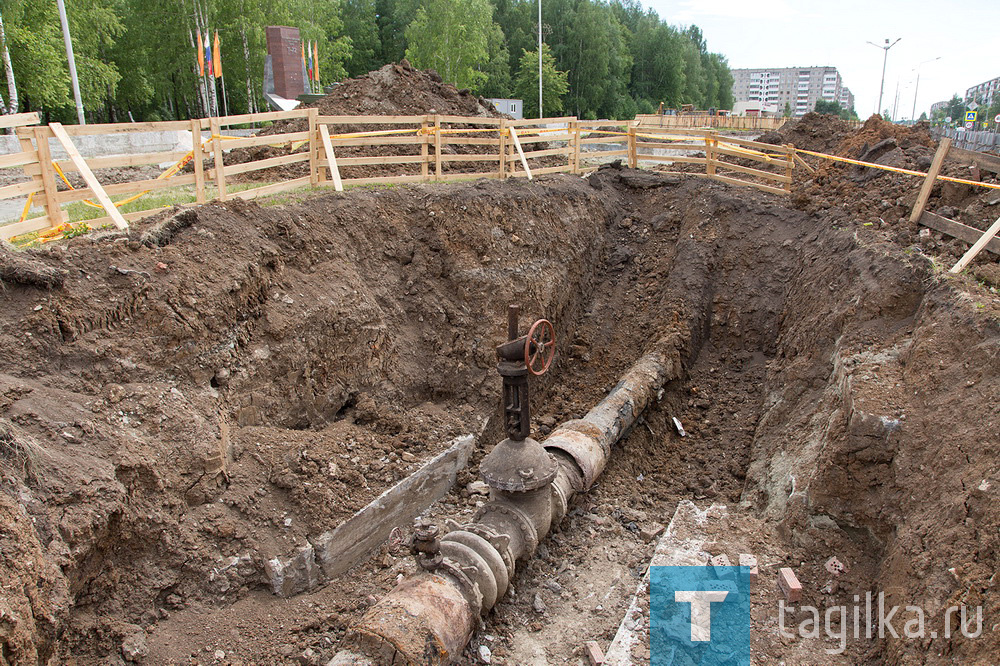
column 913, row 114
column 885, row 59
column 72, row 62
column 540, row 114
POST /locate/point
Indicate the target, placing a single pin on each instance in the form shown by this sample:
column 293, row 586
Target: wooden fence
column 426, row 148
column 705, row 121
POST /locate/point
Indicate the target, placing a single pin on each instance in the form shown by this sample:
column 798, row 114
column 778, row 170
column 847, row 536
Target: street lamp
column 885, row 59
column 72, row 62
column 913, row 115
column 540, row 114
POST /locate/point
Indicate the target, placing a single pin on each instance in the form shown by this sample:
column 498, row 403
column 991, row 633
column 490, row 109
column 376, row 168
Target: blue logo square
column 698, row 615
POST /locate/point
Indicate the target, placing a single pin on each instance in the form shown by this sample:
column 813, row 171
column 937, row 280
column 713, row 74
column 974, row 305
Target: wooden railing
column 418, row 148
column 704, row 121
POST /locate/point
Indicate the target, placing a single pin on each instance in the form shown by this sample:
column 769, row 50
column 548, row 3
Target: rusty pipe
column 430, row 617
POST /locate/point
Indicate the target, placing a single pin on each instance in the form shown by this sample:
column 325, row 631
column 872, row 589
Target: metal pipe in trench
column 429, row 617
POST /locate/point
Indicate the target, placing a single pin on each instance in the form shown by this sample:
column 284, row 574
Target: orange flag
column 316, row 60
column 217, row 56
column 201, row 57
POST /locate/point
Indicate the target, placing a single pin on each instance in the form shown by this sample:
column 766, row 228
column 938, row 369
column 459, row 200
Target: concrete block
column 293, row 574
column 789, row 585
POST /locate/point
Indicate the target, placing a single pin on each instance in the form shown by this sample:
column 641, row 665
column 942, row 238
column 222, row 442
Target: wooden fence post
column 198, row 157
column 331, row 158
column 711, row 141
column 503, row 148
column 220, row 176
column 520, row 152
column 790, row 166
column 311, row 115
column 575, row 157
column 47, row 176
column 925, row 190
column 633, row 152
column 437, row 146
column 977, row 248
column 88, row 175
column 424, row 152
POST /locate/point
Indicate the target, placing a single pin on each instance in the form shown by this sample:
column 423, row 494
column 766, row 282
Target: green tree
column 361, row 25
column 555, row 84
column 497, row 67
column 828, row 108
column 452, row 37
column 788, row 110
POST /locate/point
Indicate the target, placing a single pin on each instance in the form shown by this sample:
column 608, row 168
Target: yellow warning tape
column 907, row 172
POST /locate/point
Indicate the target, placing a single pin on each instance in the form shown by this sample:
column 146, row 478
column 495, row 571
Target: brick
column 595, row 656
column 748, row 567
column 789, row 585
column 722, row 561
column 835, row 566
column 651, row 532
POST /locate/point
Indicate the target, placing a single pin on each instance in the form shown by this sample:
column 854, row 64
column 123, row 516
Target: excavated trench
column 219, row 389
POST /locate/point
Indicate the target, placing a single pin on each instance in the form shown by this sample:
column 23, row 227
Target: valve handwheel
column 539, row 347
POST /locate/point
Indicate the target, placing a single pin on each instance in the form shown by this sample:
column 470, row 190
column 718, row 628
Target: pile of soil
column 868, row 198
column 819, row 132
column 203, row 394
column 394, row 90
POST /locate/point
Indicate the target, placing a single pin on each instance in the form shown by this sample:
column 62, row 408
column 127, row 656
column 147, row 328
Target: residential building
column 984, row 93
column 769, row 90
column 939, row 106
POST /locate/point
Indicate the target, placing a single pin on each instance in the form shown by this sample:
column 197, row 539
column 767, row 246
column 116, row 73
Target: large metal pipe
column 429, row 618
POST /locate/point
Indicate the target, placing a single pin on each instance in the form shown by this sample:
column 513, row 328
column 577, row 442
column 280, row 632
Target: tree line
column 136, row 59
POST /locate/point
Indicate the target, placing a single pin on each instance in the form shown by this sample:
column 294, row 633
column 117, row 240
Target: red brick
column 789, row 585
column 594, row 653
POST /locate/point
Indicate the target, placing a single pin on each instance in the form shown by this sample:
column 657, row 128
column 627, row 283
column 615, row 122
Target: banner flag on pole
column 201, row 57
column 316, row 61
column 217, row 56
column 208, row 55
column 309, row 60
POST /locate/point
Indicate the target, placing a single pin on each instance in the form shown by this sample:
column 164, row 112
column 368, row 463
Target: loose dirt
column 394, row 90
column 204, row 393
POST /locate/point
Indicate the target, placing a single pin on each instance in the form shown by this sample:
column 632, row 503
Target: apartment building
column 769, row 90
column 984, row 93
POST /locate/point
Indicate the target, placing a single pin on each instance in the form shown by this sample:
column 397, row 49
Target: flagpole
column 225, row 100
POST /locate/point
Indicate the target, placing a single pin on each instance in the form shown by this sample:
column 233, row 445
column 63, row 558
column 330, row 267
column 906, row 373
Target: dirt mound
column 402, row 90
column 858, row 195
column 394, row 90
column 877, row 129
column 205, row 394
column 819, row 132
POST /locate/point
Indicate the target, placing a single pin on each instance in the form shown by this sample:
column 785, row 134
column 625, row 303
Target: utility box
column 512, row 107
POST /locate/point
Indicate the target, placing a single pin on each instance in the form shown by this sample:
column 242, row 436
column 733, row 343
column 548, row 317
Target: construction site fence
column 987, row 141
column 508, row 149
column 729, row 122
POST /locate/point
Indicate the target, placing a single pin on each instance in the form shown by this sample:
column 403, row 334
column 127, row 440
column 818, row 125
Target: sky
column 790, row 33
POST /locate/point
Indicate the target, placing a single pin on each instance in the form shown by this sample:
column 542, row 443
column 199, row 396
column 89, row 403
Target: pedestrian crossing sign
column 970, row 116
